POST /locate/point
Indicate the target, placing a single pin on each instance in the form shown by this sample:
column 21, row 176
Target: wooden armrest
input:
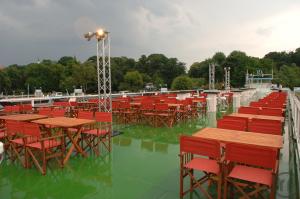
column 51, row 138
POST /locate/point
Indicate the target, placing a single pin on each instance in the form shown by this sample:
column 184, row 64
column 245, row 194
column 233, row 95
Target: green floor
column 144, row 164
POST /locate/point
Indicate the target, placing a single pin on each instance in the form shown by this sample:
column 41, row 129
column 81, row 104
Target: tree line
column 129, row 74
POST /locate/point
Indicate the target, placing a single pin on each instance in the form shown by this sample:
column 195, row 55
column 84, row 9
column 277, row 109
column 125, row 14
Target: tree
column 288, row 76
column 238, row 62
column 182, row 83
column 133, row 81
column 5, row 83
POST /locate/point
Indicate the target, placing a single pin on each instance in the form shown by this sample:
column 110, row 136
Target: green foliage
column 288, row 76
column 129, row 74
column 133, row 81
column 182, row 83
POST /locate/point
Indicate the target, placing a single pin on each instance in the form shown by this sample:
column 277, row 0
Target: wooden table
column 232, row 136
column 65, row 123
column 22, row 117
column 250, row 116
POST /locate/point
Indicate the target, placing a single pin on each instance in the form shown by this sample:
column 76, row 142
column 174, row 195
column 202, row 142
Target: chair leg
column 220, row 185
column 44, row 163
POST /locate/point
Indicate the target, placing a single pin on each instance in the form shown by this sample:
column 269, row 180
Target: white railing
column 295, row 113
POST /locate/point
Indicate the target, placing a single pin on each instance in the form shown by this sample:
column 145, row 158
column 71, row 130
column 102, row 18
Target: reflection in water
column 122, row 141
column 161, row 147
column 148, row 145
column 125, row 141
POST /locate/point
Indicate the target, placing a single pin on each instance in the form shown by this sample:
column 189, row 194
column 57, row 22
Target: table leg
column 74, row 145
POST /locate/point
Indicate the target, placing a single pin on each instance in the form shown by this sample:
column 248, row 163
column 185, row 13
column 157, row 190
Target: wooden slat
column 232, row 136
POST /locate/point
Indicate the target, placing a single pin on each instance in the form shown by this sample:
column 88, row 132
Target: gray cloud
column 189, row 30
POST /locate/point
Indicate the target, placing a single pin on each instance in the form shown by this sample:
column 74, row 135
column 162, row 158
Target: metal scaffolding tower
column 211, row 74
column 258, row 78
column 103, row 69
column 227, row 78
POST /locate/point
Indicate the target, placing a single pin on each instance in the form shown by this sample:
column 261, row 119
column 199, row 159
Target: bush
column 182, row 83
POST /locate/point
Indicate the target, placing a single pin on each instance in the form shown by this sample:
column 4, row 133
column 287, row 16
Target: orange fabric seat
column 47, row 144
column 261, row 176
column 202, row 164
column 96, row 132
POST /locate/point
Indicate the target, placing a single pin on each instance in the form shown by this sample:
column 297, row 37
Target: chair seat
column 203, row 164
column 18, row 141
column 47, row 144
column 252, row 174
column 96, row 132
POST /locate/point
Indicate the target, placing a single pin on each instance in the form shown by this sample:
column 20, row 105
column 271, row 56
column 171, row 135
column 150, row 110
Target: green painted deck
column 144, row 164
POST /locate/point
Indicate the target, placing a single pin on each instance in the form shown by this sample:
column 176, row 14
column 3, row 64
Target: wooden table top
column 65, row 122
column 250, row 116
column 23, row 117
column 243, row 137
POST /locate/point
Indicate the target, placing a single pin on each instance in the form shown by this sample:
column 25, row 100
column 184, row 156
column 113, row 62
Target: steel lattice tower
column 211, row 74
column 104, row 73
column 227, row 78
column 103, row 69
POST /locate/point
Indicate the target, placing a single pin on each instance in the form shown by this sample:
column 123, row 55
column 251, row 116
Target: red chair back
column 251, row 155
column 58, row 112
column 115, row 105
column 265, row 126
column 45, row 111
column 271, row 111
column 161, row 107
column 124, row 105
column 85, row 115
column 256, row 104
column 199, row 146
column 13, row 127
column 26, row 107
column 32, row 129
column 103, row 117
column 16, row 108
column 7, row 109
column 249, row 110
column 239, row 125
column 147, row 107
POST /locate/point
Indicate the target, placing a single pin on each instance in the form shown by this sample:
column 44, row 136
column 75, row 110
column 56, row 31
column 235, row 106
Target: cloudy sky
column 190, row 30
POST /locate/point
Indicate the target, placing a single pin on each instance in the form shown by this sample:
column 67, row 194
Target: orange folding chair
column 163, row 115
column 250, row 170
column 101, row 133
column 16, row 145
column 147, row 114
column 198, row 154
column 44, row 111
column 44, row 148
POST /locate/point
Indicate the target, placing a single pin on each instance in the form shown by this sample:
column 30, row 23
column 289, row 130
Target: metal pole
column 98, row 75
column 104, row 74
